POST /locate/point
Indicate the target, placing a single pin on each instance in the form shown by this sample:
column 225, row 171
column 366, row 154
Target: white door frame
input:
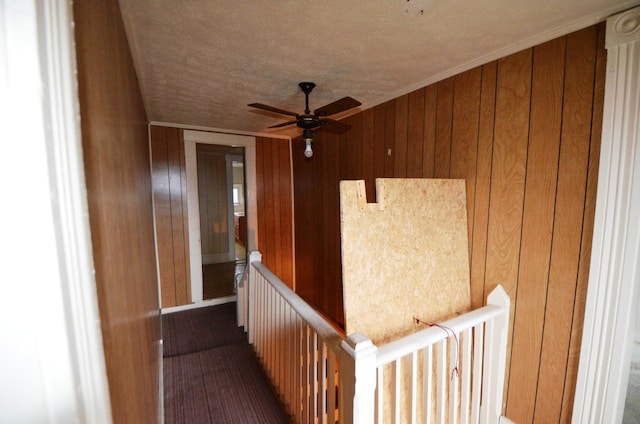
column 614, row 275
column 55, row 370
column 191, row 137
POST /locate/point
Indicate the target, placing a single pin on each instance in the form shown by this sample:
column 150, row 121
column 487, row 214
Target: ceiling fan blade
column 272, row 109
column 284, row 124
column 343, row 104
column 334, row 126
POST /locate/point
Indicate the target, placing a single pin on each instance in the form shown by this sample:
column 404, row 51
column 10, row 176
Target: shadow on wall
column 632, row 402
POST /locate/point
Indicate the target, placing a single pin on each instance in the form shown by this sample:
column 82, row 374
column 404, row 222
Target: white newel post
column 614, row 274
column 248, row 295
column 496, row 356
column 357, row 380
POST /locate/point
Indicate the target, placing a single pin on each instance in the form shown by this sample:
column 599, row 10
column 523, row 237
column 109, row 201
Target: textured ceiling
column 200, row 62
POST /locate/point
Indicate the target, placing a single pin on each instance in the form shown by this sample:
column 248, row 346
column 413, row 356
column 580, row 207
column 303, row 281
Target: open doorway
column 220, row 171
column 246, row 145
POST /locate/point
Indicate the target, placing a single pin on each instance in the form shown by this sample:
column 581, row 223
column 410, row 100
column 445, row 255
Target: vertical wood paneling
column 276, row 261
column 571, row 189
column 162, row 208
column 352, row 148
column 389, row 138
column 331, row 263
column 415, row 131
column 274, row 203
column 429, row 136
column 537, row 226
column 379, row 151
column 260, row 190
column 184, row 242
column 267, row 243
column 179, row 231
column 330, row 147
column 115, row 146
column 587, row 230
column 511, row 128
column 170, row 207
column 478, row 238
column 309, row 245
column 464, row 135
column 286, row 215
column 523, row 133
column 213, row 203
column 444, row 111
column 400, row 145
column 368, row 149
column 333, row 284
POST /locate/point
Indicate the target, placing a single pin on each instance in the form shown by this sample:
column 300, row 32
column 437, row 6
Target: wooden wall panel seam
column 572, row 180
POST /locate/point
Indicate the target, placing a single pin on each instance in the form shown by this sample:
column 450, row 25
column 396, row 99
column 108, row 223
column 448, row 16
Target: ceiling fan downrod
column 307, row 87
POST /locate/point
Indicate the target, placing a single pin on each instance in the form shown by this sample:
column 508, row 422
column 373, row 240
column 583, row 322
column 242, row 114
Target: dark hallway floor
column 210, row 372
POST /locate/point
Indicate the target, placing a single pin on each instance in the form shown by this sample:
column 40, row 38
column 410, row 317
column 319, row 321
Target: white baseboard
column 201, row 304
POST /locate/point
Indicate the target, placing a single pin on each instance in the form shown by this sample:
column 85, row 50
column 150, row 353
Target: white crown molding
column 218, row 130
column 535, row 40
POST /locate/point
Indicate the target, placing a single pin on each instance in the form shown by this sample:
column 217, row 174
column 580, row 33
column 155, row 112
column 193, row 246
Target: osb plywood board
column 405, row 256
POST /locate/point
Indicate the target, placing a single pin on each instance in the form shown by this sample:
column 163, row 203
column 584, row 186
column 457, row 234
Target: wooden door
column 214, row 205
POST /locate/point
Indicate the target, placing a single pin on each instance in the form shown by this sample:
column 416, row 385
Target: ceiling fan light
column 307, row 150
column 307, row 137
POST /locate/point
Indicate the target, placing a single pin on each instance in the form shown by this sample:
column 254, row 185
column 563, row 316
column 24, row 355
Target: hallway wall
column 169, row 181
column 116, row 161
column 274, row 214
column 524, row 132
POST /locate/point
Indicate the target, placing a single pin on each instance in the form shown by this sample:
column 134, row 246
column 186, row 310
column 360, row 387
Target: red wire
column 454, row 372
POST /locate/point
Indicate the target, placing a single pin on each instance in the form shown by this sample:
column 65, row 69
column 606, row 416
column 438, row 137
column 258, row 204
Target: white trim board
column 532, row 41
column 201, row 304
column 614, row 275
column 218, row 130
column 195, row 252
column 55, row 370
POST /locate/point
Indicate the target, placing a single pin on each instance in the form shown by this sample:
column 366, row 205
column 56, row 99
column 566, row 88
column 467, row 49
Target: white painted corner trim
column 614, row 276
column 55, row 370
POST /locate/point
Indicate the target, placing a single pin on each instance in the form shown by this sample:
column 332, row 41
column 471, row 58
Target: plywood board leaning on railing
column 404, row 257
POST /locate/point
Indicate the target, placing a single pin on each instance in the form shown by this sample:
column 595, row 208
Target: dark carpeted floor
column 210, row 372
column 218, row 280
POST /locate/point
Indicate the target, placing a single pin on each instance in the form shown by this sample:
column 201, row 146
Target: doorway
column 246, row 226
column 220, row 171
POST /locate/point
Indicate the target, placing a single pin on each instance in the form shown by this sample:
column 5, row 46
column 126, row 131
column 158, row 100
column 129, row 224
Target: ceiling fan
column 309, row 121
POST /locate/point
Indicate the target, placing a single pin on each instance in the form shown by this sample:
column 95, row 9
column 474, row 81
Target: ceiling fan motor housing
column 308, row 122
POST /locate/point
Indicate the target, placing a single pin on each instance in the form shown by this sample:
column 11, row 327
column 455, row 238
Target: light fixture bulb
column 307, row 150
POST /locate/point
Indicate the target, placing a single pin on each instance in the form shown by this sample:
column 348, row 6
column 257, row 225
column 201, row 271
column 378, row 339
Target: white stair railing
column 449, row 373
column 298, row 349
column 452, row 372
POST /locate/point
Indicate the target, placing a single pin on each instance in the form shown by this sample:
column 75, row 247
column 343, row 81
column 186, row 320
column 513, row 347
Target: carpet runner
column 210, row 372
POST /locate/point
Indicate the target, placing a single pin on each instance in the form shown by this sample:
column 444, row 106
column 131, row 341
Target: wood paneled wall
column 116, row 160
column 274, row 202
column 524, row 133
column 214, row 207
column 170, row 206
